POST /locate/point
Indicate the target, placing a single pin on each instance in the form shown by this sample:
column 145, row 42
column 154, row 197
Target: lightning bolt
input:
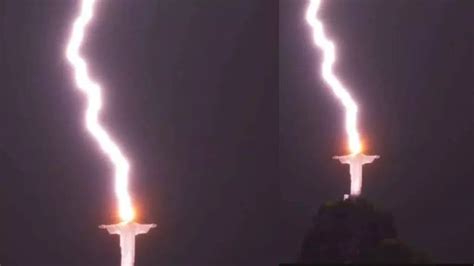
column 92, row 91
column 329, row 57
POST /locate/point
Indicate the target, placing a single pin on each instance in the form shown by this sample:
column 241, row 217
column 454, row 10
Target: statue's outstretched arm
column 112, row 229
column 342, row 159
column 370, row 158
column 144, row 228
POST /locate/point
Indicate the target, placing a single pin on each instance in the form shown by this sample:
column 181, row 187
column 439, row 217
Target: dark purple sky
column 191, row 93
column 229, row 128
column 409, row 65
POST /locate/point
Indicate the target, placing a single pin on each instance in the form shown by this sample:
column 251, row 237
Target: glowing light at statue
column 92, row 90
column 329, row 57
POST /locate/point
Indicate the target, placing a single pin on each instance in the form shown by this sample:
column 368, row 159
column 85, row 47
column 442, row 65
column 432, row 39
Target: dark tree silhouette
column 394, row 251
column 355, row 231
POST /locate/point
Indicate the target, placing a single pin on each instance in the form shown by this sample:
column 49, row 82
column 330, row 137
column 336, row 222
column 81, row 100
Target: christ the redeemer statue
column 355, row 162
column 127, row 232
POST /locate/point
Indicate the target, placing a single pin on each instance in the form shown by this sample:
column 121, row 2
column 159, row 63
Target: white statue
column 355, row 162
column 127, row 232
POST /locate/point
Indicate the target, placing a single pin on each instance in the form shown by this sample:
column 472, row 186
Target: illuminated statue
column 127, row 232
column 355, row 162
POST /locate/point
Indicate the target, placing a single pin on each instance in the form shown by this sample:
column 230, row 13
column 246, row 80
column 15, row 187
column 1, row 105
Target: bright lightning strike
column 92, row 90
column 329, row 57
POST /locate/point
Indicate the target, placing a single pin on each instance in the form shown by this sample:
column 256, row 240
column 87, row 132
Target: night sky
column 229, row 129
column 410, row 67
column 191, row 93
